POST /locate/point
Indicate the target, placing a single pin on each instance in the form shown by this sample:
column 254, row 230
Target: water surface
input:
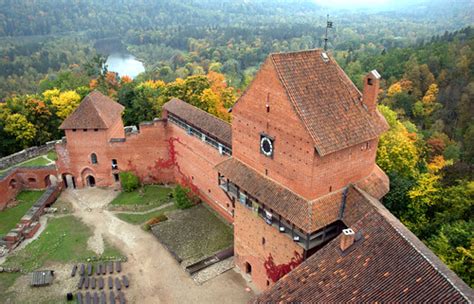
column 124, row 64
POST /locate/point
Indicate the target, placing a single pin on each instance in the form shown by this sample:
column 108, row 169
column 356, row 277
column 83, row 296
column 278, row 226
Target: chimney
column 347, row 238
column 371, row 90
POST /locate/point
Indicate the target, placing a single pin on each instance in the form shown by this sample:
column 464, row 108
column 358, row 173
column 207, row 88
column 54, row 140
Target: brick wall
column 139, row 153
column 23, row 178
column 249, row 229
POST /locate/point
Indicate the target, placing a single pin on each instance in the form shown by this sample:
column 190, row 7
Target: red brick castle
column 295, row 173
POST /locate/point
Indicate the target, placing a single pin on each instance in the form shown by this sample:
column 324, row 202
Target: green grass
column 7, row 280
column 64, row 240
column 194, row 233
column 35, row 162
column 11, row 216
column 52, row 155
column 137, row 219
column 146, row 198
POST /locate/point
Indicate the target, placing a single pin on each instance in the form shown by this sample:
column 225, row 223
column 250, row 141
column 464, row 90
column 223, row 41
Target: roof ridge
column 293, row 100
column 212, row 115
column 391, row 219
column 297, row 52
column 96, row 109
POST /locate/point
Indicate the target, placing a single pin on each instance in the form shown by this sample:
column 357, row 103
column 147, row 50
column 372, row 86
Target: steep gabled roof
column 387, row 264
column 205, row 122
column 96, row 111
column 326, row 100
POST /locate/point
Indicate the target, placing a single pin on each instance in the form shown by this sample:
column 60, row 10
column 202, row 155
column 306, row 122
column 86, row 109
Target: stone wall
column 25, row 155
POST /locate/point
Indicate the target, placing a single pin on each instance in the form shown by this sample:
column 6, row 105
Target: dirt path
column 155, row 276
column 143, row 212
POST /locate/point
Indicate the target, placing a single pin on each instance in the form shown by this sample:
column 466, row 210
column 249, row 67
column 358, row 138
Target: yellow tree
column 18, row 126
column 425, row 107
column 64, row 102
column 397, row 151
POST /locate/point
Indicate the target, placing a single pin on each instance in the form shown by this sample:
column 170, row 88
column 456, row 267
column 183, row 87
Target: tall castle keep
column 295, row 173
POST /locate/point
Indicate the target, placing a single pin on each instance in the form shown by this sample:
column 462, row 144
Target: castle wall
column 19, row 179
column 196, row 161
column 147, row 154
column 249, row 231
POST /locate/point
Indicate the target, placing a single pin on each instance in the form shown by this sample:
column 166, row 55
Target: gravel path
column 155, row 276
column 143, row 212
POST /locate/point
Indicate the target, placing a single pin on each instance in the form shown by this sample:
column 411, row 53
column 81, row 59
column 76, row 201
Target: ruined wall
column 249, row 247
column 23, row 178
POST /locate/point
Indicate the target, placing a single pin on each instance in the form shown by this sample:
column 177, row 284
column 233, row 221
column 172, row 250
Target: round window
column 266, row 146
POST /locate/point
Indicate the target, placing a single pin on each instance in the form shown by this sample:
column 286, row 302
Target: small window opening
column 114, row 164
column 248, row 268
column 263, row 241
column 95, row 130
column 268, row 108
column 330, row 188
column 74, row 130
column 116, row 177
column 209, row 190
column 369, row 81
column 85, row 130
column 266, row 171
column 268, row 283
column 94, row 158
column 32, row 180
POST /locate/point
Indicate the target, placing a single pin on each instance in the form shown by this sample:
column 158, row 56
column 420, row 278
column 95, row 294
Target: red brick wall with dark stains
column 23, row 178
column 249, row 247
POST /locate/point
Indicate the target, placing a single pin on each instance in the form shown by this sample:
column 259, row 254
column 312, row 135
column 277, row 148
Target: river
column 124, row 64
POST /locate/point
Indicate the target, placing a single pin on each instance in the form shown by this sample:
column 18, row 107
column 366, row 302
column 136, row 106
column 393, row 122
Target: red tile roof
column 205, row 122
column 387, row 264
column 327, row 101
column 96, row 111
column 309, row 216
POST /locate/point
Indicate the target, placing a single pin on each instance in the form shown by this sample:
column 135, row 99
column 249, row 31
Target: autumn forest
column 207, row 52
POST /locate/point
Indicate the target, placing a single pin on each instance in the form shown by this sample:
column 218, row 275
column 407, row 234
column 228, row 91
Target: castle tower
column 84, row 161
column 300, row 136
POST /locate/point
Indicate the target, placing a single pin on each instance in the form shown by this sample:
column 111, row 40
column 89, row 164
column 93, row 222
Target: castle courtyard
column 155, row 275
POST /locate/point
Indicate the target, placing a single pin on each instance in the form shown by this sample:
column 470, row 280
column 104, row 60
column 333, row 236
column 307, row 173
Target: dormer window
column 93, row 158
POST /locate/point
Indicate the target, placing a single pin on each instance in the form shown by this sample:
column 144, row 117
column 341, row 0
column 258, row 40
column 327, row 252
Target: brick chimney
column 347, row 238
column 371, row 90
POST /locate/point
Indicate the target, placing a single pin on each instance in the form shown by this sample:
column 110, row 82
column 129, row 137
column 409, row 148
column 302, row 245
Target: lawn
column 35, row 162
column 64, row 240
column 142, row 218
column 194, row 233
column 145, row 198
column 11, row 216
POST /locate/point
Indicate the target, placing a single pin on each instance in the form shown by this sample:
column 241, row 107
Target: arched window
column 94, row 158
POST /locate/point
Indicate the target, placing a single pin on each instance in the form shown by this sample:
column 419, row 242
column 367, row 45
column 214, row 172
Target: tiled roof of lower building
column 96, row 111
column 308, row 215
column 205, row 122
column 387, row 264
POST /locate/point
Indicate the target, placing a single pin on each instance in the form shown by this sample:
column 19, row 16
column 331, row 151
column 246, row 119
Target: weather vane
column 328, row 26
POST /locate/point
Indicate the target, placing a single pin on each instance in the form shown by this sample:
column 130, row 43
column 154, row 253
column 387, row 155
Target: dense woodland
column 207, row 52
